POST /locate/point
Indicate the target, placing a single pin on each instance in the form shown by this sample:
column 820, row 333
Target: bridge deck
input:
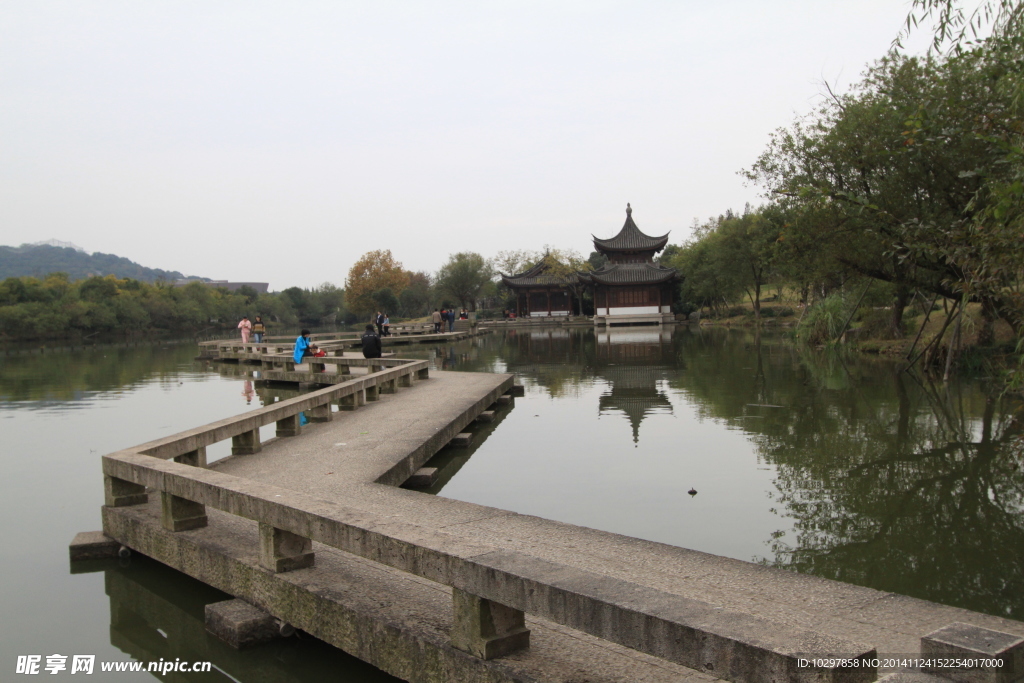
column 399, row 621
column 380, row 436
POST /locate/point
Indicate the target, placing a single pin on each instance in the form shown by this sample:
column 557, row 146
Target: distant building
column 260, row 287
column 628, row 290
column 540, row 292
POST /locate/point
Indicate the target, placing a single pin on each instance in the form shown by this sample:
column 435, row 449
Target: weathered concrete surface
column 964, row 641
column 92, row 545
column 397, row 622
column 385, row 441
column 422, row 478
column 239, row 624
column 547, row 568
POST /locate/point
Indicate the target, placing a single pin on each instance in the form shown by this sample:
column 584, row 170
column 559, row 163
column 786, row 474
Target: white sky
column 280, row 141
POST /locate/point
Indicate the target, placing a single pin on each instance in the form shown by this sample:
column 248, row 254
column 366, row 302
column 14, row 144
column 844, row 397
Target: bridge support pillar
column 289, row 426
column 246, row 443
column 372, row 393
column 351, row 402
column 181, row 514
column 405, row 381
column 241, row 625
column 388, row 387
column 283, row 551
column 423, row 374
column 196, row 458
column 486, row 629
column 320, row 413
column 119, row 493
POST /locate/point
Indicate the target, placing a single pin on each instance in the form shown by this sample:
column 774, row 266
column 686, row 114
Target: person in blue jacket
column 302, row 347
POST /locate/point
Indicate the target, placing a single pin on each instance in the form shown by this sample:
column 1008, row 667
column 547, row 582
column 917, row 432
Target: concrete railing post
column 317, row 367
column 320, row 413
column 372, row 393
column 181, row 514
column 289, row 426
column 350, row 402
column 388, row 386
column 246, row 443
column 423, row 373
column 196, row 458
column 283, row 551
column 486, row 629
column 343, row 369
column 405, row 380
column 120, row 493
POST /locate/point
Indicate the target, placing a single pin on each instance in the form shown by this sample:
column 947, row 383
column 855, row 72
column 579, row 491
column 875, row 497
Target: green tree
column 415, row 299
column 903, row 161
column 463, row 277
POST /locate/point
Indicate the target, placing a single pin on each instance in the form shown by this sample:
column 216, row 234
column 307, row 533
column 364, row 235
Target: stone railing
column 493, row 587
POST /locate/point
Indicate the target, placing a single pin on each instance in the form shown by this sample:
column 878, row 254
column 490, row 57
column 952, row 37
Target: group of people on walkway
column 383, row 324
column 443, row 317
column 256, row 328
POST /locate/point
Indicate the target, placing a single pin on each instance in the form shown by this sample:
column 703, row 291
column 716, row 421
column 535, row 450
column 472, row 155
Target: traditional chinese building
column 631, row 288
column 539, row 292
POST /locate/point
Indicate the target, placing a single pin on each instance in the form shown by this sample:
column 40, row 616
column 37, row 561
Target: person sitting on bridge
column 371, row 343
column 303, row 348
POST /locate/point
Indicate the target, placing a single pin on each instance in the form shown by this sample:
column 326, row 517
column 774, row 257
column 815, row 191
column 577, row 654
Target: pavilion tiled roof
column 630, row 274
column 630, row 238
column 538, row 276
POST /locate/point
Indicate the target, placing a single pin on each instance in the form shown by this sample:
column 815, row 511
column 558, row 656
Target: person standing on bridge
column 258, row 329
column 451, row 320
column 437, row 321
column 371, row 343
column 387, row 325
column 245, row 326
column 380, row 323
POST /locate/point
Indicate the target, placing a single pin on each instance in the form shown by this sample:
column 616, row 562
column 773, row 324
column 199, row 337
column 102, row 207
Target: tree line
column 909, row 185
column 59, row 307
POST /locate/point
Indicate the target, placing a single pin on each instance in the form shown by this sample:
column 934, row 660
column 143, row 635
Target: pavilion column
column 547, row 294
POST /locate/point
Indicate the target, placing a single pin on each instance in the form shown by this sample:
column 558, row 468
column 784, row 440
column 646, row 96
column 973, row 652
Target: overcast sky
column 280, row 141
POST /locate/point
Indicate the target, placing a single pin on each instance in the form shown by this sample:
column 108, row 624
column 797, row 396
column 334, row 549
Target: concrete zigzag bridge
column 433, row 589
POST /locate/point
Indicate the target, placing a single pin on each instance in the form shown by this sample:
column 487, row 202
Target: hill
column 39, row 260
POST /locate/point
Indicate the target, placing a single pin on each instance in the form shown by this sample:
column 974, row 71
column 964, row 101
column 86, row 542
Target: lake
column 832, row 464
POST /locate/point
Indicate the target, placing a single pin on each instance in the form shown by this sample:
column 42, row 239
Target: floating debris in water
column 763, row 405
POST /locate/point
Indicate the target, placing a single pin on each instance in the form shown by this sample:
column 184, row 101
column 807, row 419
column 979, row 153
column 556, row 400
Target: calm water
column 832, row 465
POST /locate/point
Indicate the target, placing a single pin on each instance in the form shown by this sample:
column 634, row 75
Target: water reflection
column 157, row 613
column 634, row 362
column 874, row 476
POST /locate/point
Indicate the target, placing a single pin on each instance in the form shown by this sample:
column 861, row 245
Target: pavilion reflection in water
column 634, row 361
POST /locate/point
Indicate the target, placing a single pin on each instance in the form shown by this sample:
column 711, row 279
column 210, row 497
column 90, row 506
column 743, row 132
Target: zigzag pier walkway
column 234, row 350
column 314, row 530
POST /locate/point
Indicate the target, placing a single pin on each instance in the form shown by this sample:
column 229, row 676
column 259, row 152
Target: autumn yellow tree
column 373, row 272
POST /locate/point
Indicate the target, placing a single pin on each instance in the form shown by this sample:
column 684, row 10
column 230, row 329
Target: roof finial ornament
column 629, row 211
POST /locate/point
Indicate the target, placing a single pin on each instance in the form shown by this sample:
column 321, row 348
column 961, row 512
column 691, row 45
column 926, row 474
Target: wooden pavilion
column 541, row 293
column 631, row 289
